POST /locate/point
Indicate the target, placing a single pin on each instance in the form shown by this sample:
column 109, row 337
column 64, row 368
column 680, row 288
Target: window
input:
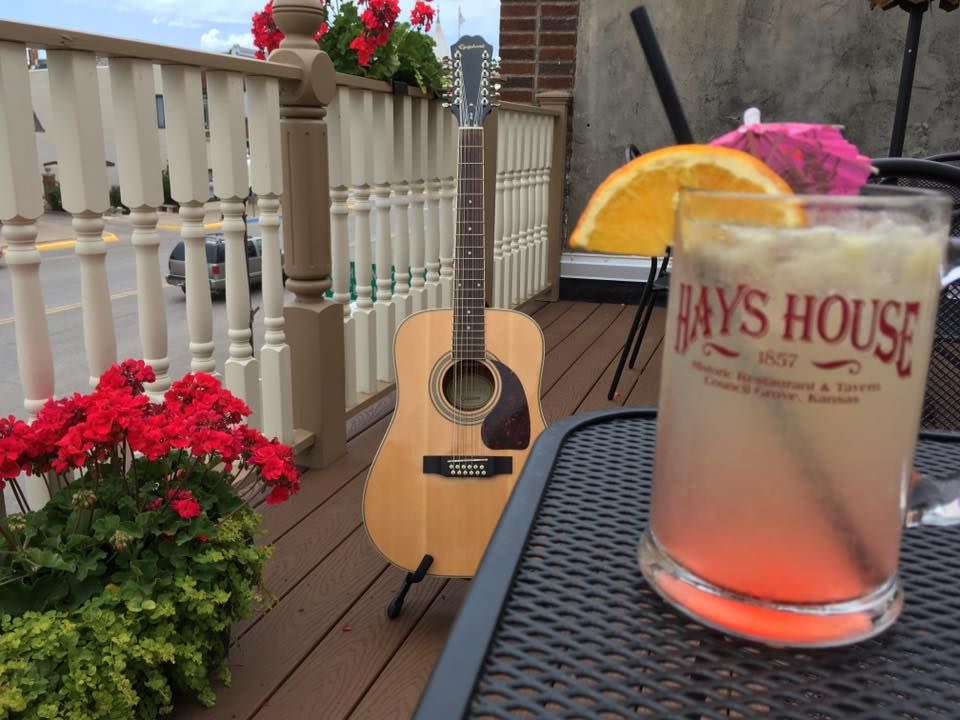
column 161, row 114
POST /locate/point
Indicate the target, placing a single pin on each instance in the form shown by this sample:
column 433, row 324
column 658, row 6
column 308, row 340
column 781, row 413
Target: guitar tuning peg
column 446, row 105
column 497, row 86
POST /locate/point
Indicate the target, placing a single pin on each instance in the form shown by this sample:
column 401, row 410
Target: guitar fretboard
column 469, row 291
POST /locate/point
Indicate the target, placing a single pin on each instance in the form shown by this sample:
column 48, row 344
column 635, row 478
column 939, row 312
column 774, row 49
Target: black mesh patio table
column 559, row 623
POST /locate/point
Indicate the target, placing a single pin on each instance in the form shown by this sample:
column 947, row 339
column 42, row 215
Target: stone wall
column 829, row 61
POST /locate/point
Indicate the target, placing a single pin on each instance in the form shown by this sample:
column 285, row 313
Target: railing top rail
column 530, row 109
column 362, row 83
column 41, row 36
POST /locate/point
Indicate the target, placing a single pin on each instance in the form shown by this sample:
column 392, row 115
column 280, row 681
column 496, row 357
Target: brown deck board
column 333, row 679
column 533, row 306
column 576, row 384
column 596, row 399
column 559, row 360
column 298, row 661
column 264, row 657
column 397, row 690
column 548, row 315
column 318, row 485
column 647, row 388
column 563, row 326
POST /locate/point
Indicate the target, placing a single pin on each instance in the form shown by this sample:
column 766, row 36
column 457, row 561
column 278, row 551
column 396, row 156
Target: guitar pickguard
column 507, row 426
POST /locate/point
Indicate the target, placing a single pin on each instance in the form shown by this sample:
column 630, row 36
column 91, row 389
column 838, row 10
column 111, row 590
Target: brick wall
column 538, row 46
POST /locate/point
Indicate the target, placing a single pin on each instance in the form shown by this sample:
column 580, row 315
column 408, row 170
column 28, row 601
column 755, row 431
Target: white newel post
column 402, row 169
column 231, row 183
column 498, row 261
column 382, row 172
column 418, row 197
column 138, row 161
column 82, row 170
column 338, row 129
column 361, row 172
column 189, row 186
column 435, row 139
column 266, row 179
column 21, row 203
column 447, row 195
column 524, row 159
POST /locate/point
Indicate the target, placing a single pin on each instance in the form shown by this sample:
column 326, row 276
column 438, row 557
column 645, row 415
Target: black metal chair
column 941, row 404
column 658, row 281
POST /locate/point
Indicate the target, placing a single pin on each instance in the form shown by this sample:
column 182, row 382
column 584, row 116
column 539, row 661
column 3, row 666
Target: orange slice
column 632, row 212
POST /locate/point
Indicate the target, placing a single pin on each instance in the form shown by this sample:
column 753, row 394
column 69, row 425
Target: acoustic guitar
column 468, row 387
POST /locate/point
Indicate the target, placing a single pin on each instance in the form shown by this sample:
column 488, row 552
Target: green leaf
column 106, row 526
column 89, row 563
column 49, row 559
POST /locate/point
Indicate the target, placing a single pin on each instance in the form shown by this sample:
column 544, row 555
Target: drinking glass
column 798, row 335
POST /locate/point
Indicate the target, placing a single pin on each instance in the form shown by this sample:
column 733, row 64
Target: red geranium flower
column 422, row 16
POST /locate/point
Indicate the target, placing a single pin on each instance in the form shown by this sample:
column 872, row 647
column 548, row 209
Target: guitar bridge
column 467, row 467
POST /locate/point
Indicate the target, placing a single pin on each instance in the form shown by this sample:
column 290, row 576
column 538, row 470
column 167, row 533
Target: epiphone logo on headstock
column 477, row 46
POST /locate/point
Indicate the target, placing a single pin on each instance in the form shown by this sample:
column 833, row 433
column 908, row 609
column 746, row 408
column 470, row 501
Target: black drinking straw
column 661, row 76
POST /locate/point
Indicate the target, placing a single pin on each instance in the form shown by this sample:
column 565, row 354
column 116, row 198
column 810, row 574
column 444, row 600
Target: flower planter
column 119, row 594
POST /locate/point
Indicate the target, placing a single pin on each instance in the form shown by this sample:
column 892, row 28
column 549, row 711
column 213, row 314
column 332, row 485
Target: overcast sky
column 213, row 25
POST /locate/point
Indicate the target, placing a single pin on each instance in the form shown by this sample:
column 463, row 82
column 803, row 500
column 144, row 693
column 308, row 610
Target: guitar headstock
column 472, row 73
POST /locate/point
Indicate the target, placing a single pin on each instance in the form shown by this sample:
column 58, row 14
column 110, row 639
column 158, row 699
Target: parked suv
column 216, row 263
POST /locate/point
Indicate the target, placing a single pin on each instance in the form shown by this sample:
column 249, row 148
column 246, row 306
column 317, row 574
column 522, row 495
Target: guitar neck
column 469, row 283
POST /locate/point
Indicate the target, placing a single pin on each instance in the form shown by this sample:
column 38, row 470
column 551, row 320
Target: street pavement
column 60, row 278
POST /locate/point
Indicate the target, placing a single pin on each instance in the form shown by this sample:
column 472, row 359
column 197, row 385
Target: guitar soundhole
column 468, row 385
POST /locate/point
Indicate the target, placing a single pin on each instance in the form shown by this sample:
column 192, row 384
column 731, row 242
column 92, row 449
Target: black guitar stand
column 396, row 605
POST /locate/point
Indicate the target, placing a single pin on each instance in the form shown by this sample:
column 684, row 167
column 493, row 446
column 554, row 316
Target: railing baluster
column 546, row 151
column 266, row 178
column 526, row 206
column 231, row 183
column 447, row 195
column 360, row 103
column 505, row 123
column 498, row 259
column 403, row 168
column 533, row 246
column 382, row 172
column 138, row 160
column 82, row 170
column 21, row 203
column 418, row 199
column 516, row 140
column 189, row 186
column 338, row 123
column 433, row 150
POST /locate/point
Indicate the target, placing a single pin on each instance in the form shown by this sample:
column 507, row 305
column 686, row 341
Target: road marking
column 72, row 306
column 60, row 244
column 206, row 226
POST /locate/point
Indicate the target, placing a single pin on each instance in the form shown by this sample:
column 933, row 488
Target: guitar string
column 477, row 157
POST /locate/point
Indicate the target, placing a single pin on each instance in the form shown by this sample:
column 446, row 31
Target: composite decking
column 326, row 649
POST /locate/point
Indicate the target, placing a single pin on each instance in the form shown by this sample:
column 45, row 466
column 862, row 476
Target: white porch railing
column 366, row 178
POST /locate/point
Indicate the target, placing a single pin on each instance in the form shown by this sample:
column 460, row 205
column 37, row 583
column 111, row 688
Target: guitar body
column 443, row 474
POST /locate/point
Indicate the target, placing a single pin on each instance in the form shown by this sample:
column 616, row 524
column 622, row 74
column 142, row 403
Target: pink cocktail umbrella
column 811, row 158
